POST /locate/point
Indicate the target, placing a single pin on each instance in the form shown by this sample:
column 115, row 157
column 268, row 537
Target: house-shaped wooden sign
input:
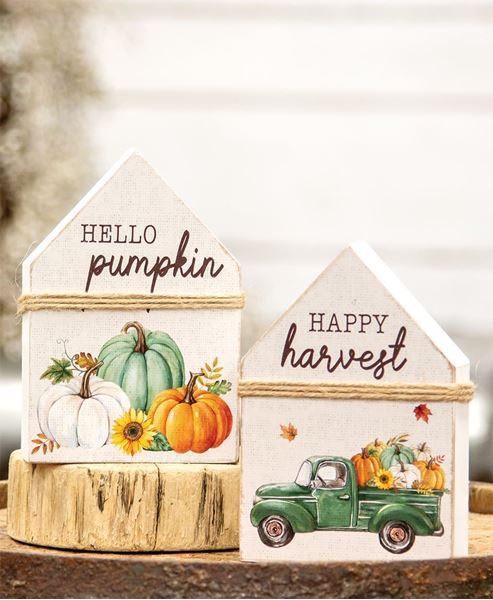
column 131, row 330
column 354, row 425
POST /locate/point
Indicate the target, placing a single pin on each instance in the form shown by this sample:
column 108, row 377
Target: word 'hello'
column 179, row 265
column 102, row 233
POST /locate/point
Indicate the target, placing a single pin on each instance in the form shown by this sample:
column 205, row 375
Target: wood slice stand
column 35, row 572
column 117, row 507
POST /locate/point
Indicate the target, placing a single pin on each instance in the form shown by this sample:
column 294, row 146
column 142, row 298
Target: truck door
column 332, row 489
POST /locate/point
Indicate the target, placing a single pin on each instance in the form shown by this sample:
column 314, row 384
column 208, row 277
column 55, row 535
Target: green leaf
column 220, row 387
column 159, row 443
column 59, row 371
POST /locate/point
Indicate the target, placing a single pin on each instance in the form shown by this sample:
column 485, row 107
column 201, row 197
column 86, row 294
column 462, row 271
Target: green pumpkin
column 143, row 363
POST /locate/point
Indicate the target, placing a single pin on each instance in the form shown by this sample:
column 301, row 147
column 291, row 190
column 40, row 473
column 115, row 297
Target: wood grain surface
column 34, row 572
column 121, row 507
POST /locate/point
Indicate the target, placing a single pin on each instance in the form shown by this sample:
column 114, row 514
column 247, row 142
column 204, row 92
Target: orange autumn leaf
column 289, row 432
column 422, row 412
column 85, row 360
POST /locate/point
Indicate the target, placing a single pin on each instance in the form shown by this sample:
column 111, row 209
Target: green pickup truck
column 325, row 496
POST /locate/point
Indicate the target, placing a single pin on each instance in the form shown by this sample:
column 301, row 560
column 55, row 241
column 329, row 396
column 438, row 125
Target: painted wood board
column 355, row 324
column 130, row 234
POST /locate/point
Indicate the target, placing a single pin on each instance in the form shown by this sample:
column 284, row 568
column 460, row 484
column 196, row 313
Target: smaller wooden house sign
column 354, row 425
column 131, row 330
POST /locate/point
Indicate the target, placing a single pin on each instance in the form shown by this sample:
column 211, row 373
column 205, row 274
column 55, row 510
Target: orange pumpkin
column 191, row 418
column 366, row 465
column 432, row 474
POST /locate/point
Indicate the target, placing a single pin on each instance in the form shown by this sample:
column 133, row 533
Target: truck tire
column 275, row 531
column 397, row 537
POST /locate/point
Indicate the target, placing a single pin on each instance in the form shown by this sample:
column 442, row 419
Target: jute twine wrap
column 35, row 302
column 416, row 392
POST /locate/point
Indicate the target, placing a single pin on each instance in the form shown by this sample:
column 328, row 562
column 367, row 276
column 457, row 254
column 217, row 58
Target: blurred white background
column 293, row 127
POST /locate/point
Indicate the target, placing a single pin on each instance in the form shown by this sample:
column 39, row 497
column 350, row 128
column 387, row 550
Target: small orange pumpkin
column 191, row 418
column 432, row 474
column 366, row 465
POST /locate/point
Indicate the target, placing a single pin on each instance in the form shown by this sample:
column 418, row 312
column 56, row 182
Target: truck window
column 304, row 474
column 331, row 475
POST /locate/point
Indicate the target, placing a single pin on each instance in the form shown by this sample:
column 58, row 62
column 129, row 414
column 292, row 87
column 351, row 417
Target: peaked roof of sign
column 81, row 204
column 444, row 344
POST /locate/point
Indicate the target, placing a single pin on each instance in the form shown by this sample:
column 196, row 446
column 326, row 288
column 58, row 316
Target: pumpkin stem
column 85, row 391
column 141, row 345
column 403, row 468
column 189, row 399
column 430, row 463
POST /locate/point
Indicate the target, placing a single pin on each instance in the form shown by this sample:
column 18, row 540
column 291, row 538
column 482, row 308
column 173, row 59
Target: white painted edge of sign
column 440, row 339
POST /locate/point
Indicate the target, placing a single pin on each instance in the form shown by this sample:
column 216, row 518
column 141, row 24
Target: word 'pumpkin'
column 191, row 418
column 142, row 363
column 366, row 466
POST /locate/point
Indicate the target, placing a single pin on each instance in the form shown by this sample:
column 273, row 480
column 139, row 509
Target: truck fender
column 414, row 517
column 300, row 519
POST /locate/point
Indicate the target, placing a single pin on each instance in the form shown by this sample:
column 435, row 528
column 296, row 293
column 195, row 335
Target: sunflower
column 132, row 432
column 384, row 479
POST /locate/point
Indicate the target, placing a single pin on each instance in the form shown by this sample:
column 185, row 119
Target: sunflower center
column 384, row 478
column 133, row 431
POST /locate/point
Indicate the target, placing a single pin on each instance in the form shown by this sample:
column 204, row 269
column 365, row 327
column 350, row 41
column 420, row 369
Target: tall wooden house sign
column 354, row 425
column 131, row 330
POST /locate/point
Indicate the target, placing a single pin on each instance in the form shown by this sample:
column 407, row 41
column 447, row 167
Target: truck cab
column 325, row 496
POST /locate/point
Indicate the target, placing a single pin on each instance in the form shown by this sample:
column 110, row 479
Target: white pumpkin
column 423, row 452
column 405, row 475
column 74, row 414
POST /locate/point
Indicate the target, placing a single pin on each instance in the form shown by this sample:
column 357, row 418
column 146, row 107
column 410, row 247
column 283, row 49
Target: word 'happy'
column 345, row 322
column 178, row 265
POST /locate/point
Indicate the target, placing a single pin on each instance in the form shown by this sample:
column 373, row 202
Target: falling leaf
column 289, row 432
column 440, row 459
column 85, row 360
column 59, row 371
column 35, row 449
column 422, row 412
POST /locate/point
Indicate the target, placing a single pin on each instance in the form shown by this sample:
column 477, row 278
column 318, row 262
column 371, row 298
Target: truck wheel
column 397, row 537
column 275, row 531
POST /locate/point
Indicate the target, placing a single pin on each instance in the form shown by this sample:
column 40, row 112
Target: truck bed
column 370, row 500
